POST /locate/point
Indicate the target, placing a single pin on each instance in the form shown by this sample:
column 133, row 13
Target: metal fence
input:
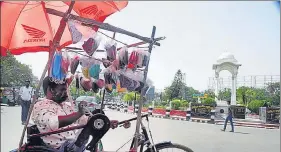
column 256, row 81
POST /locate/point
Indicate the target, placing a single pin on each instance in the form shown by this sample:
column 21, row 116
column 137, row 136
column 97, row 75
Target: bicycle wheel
column 168, row 145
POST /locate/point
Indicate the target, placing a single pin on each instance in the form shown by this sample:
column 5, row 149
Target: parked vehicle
column 7, row 96
column 91, row 100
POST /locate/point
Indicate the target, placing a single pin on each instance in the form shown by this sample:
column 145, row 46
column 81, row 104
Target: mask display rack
column 53, row 45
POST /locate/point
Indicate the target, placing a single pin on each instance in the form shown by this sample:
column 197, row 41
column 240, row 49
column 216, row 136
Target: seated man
column 56, row 111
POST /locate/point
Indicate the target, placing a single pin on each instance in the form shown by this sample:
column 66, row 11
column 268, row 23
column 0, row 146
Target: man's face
column 59, row 94
column 27, row 84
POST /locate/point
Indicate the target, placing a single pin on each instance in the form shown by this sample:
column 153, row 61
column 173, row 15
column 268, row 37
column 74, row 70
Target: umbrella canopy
column 27, row 27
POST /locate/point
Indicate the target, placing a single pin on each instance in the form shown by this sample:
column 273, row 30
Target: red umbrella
column 27, row 27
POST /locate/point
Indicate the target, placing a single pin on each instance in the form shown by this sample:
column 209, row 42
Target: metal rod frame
column 55, row 43
column 143, row 91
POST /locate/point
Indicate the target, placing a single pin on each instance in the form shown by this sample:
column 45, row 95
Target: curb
column 252, row 125
column 217, row 122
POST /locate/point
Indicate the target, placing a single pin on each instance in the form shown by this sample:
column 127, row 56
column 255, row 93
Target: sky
column 197, row 33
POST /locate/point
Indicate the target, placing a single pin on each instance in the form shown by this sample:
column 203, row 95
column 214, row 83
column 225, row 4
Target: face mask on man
column 59, row 96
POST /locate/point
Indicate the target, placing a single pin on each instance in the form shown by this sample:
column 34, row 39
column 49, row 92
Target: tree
column 255, row 105
column 177, row 104
column 242, row 95
column 189, row 92
column 209, row 100
column 14, row 73
column 175, row 90
column 273, row 90
column 225, row 94
column 210, row 93
column 130, row 96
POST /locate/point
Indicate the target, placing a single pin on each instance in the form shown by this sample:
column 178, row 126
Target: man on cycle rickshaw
column 56, row 111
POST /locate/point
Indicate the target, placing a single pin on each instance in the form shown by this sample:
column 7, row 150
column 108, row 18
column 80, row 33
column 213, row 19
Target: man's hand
column 113, row 124
column 81, row 107
column 127, row 124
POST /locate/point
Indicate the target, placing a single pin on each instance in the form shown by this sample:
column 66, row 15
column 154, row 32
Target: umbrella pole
column 102, row 101
column 53, row 46
column 33, row 102
column 143, row 92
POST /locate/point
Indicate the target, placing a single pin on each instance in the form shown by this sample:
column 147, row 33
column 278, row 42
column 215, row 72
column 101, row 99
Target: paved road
column 197, row 136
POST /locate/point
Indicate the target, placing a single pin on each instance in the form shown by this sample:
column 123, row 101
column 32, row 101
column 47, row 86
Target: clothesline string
column 118, row 40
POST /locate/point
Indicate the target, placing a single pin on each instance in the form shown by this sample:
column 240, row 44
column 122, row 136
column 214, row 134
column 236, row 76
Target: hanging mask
column 100, row 83
column 74, row 64
column 57, row 73
column 85, row 72
column 108, row 88
column 123, row 57
column 114, row 87
column 110, row 48
column 106, row 63
column 91, row 45
column 86, row 84
column 94, row 71
column 75, row 34
column 65, row 62
column 95, row 87
column 125, row 82
column 119, row 89
column 88, row 46
column 69, row 80
column 133, row 60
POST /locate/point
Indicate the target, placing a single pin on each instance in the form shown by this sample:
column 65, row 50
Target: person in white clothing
column 25, row 95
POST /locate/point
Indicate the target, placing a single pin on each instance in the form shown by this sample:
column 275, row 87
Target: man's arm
column 69, row 119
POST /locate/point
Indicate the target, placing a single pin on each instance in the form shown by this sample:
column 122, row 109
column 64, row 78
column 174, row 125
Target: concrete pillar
column 217, row 87
column 213, row 113
column 150, row 110
column 137, row 109
column 188, row 112
column 168, row 110
column 233, row 90
column 126, row 108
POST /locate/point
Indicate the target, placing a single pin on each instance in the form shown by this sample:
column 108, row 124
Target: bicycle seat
column 34, row 140
column 34, row 144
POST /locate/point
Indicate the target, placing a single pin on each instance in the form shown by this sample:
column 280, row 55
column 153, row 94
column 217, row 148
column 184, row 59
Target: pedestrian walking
column 229, row 118
column 25, row 95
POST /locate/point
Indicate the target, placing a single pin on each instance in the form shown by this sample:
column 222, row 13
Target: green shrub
column 159, row 107
column 209, row 100
column 255, row 105
column 179, row 104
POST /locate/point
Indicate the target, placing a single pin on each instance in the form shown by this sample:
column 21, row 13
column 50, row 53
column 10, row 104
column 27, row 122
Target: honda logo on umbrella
column 37, row 35
column 92, row 11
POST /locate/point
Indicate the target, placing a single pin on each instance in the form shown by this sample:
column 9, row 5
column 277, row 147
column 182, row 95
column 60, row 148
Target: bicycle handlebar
column 132, row 119
column 79, row 127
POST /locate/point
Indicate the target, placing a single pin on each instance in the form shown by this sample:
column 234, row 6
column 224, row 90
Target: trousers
column 25, row 105
column 229, row 118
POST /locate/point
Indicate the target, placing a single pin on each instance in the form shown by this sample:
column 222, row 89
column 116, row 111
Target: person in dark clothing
column 229, row 118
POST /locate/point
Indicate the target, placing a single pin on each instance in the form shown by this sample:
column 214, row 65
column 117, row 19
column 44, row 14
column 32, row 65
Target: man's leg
column 231, row 123
column 23, row 105
column 27, row 109
column 225, row 123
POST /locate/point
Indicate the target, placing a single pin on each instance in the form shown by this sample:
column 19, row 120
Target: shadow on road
column 241, row 133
